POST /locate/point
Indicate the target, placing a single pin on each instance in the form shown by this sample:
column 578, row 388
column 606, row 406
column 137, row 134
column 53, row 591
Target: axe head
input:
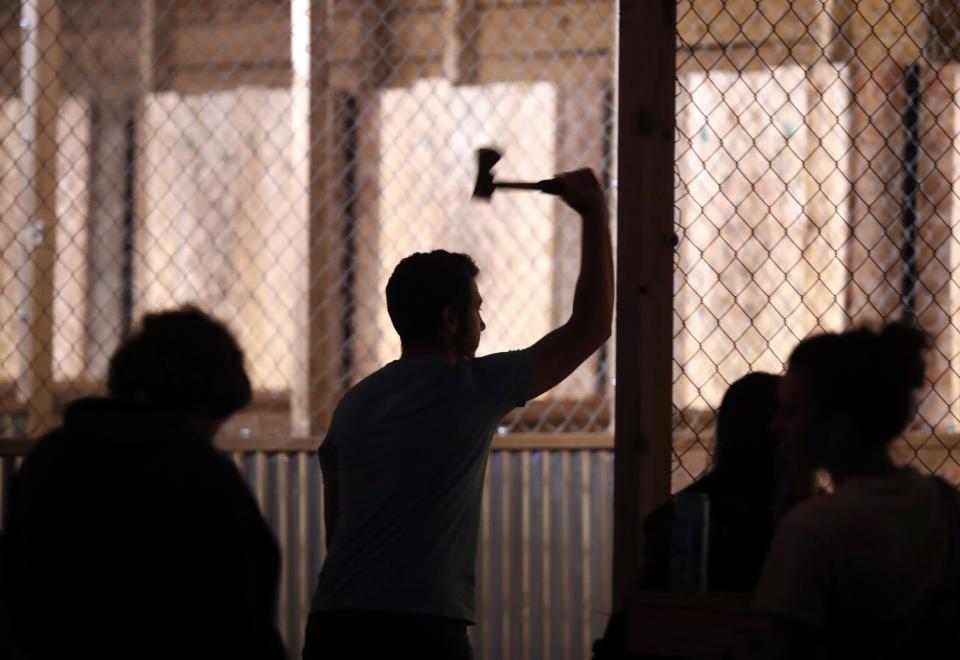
column 487, row 157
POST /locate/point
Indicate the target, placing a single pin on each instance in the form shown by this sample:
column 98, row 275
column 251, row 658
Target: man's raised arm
column 560, row 352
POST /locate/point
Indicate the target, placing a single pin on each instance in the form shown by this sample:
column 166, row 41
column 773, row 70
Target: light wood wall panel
column 70, row 269
column 222, row 218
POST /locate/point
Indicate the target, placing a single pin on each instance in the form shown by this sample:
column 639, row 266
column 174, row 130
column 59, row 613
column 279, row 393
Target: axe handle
column 549, row 186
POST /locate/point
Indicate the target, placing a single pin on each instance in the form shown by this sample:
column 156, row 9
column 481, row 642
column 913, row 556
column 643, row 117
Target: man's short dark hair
column 182, row 361
column 421, row 286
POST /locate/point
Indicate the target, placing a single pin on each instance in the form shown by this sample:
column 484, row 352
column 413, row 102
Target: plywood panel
column 205, row 80
column 83, row 15
column 222, row 218
column 11, row 234
column 760, row 263
column 71, row 270
column 570, row 68
column 230, row 43
column 580, row 143
column 876, row 202
column 888, row 29
column 418, row 34
column 721, row 23
column 519, row 31
column 229, row 11
column 578, row 27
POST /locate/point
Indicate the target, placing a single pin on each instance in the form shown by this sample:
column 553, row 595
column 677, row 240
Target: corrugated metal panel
column 544, row 566
column 544, row 581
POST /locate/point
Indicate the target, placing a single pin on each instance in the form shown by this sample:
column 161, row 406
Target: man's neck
column 447, row 355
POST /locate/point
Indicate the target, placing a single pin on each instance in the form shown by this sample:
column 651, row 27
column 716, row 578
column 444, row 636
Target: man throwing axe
column 404, row 460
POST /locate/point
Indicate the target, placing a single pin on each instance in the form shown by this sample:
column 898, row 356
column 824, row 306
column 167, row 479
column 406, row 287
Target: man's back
column 407, row 451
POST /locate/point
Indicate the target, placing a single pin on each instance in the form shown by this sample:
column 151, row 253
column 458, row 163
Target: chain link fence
column 161, row 152
column 184, row 170
column 817, row 181
column 816, row 187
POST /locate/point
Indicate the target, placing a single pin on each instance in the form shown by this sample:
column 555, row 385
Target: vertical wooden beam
column 936, row 298
column 316, row 382
column 461, row 27
column 875, row 170
column 40, row 85
column 379, row 50
column 368, row 293
column 107, row 211
column 647, row 75
column 155, row 72
column 157, row 58
column 943, row 23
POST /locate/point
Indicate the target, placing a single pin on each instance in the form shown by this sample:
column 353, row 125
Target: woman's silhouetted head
column 846, row 396
column 183, row 362
column 746, row 447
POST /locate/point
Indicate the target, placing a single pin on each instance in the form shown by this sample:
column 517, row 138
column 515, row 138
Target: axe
column 486, row 159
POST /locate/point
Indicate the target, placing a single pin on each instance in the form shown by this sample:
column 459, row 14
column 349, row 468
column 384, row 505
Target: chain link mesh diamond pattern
column 817, row 181
column 182, row 176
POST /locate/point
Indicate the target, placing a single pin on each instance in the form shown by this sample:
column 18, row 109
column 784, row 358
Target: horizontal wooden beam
column 903, row 449
column 505, row 442
column 281, row 445
column 40, row 93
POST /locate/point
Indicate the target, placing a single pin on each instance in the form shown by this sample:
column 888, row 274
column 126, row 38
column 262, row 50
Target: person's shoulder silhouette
column 870, row 569
column 741, row 488
column 128, row 533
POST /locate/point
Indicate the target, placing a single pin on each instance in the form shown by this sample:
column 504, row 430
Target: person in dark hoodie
column 128, row 534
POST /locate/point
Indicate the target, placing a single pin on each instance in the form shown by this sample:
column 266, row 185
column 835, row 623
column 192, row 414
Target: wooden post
column 461, row 26
column 157, row 28
column 647, row 74
column 316, row 381
column 155, row 72
column 107, row 212
column 40, row 62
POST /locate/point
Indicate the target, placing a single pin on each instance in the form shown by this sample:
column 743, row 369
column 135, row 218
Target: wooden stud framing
column 647, row 74
column 461, row 27
column 316, row 353
column 40, row 85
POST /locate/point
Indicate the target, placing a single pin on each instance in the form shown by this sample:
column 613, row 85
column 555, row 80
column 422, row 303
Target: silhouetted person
column 871, row 570
column 129, row 535
column 404, row 459
column 741, row 489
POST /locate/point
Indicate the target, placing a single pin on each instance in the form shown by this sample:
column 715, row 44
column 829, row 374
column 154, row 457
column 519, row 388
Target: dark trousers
column 356, row 635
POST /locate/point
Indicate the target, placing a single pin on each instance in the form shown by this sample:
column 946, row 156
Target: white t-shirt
column 408, row 450
column 861, row 566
